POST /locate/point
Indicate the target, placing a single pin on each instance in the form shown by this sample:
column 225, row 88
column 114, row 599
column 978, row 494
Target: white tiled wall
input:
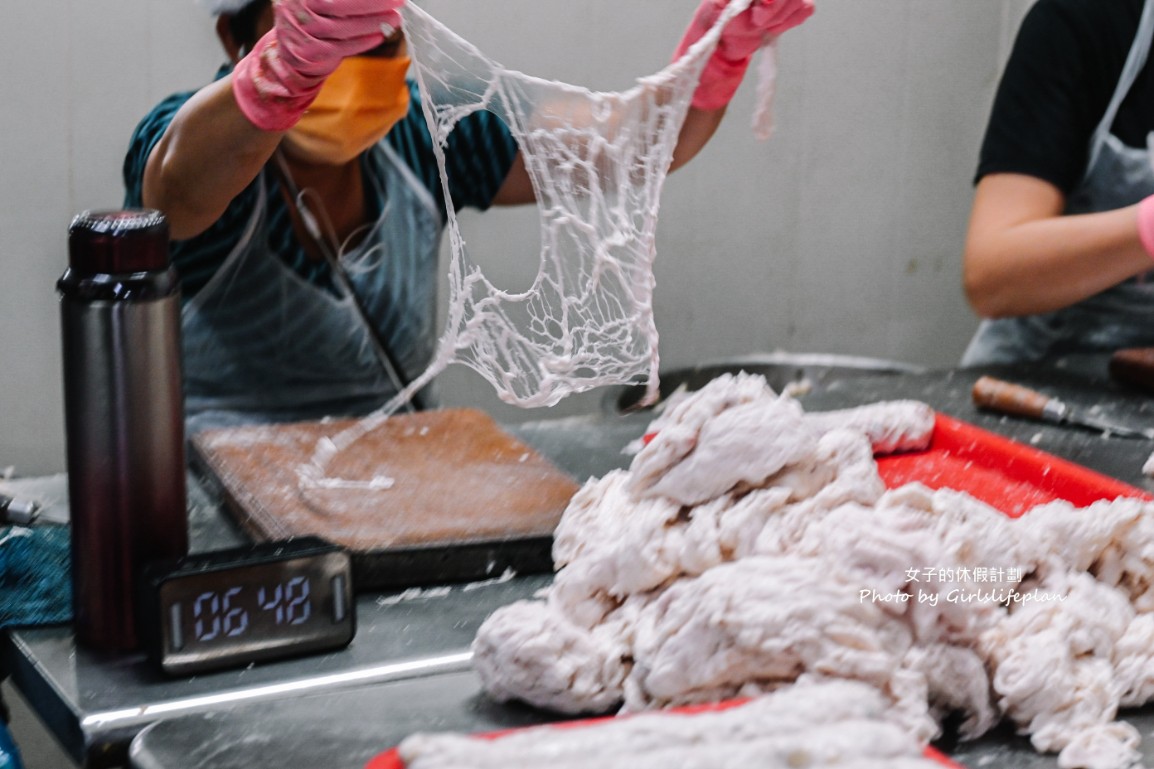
column 841, row 234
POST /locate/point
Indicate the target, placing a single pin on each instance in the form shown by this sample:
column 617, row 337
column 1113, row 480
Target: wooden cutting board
column 422, row 498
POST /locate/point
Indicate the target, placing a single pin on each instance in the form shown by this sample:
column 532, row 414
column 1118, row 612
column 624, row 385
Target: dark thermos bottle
column 123, row 414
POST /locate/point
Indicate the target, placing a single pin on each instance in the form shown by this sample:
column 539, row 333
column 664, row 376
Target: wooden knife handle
column 1009, row 398
column 1134, row 366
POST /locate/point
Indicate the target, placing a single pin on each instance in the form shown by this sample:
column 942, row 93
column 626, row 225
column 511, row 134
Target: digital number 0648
column 224, row 614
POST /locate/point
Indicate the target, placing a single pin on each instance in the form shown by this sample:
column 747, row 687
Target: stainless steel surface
column 307, row 732
column 1102, row 425
column 345, row 730
column 95, row 703
column 408, row 667
column 794, row 372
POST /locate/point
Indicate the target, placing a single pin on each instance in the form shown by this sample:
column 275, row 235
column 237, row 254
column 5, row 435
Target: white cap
column 217, row 7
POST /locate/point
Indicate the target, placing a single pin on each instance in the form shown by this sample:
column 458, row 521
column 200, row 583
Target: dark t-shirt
column 1065, row 65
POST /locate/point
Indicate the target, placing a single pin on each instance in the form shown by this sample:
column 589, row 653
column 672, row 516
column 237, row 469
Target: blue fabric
column 35, row 577
column 9, row 753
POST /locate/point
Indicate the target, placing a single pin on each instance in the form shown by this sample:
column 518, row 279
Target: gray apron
column 261, row 344
column 1123, row 316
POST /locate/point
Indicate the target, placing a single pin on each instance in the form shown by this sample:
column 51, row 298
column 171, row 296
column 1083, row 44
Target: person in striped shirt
column 306, row 206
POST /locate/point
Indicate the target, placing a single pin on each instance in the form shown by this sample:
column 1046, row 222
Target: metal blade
column 1109, row 427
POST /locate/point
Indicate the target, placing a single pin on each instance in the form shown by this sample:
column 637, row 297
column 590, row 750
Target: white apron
column 1123, row 316
column 261, row 344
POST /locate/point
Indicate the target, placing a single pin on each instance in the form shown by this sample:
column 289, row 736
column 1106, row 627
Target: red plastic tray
column 1010, row 476
column 391, row 760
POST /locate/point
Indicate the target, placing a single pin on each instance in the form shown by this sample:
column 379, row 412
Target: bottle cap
column 125, row 241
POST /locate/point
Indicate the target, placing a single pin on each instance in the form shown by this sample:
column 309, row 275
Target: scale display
column 250, row 604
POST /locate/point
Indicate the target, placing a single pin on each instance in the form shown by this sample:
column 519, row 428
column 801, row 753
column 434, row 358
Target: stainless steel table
column 341, row 730
column 94, row 704
column 408, row 670
column 345, row 730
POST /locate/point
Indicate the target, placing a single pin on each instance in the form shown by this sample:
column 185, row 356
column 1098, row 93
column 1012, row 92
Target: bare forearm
column 696, row 131
column 1046, row 265
column 209, row 154
column 1024, row 257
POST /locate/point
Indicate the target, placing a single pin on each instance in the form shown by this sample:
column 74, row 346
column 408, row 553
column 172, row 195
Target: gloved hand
column 748, row 31
column 277, row 81
column 1146, row 224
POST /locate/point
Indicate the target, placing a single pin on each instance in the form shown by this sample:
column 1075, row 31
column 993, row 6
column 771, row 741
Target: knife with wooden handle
column 1009, row 398
column 1134, row 366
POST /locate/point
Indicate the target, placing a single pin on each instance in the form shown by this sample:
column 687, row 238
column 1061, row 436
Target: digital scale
column 247, row 604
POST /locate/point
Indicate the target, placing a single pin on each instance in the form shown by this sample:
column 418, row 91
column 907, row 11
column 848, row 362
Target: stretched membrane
column 598, row 162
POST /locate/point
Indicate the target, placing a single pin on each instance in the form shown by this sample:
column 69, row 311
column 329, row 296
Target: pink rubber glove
column 740, row 39
column 278, row 80
column 1146, row 224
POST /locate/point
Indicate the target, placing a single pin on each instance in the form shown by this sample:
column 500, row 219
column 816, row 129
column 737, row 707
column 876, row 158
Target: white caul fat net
column 597, row 161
